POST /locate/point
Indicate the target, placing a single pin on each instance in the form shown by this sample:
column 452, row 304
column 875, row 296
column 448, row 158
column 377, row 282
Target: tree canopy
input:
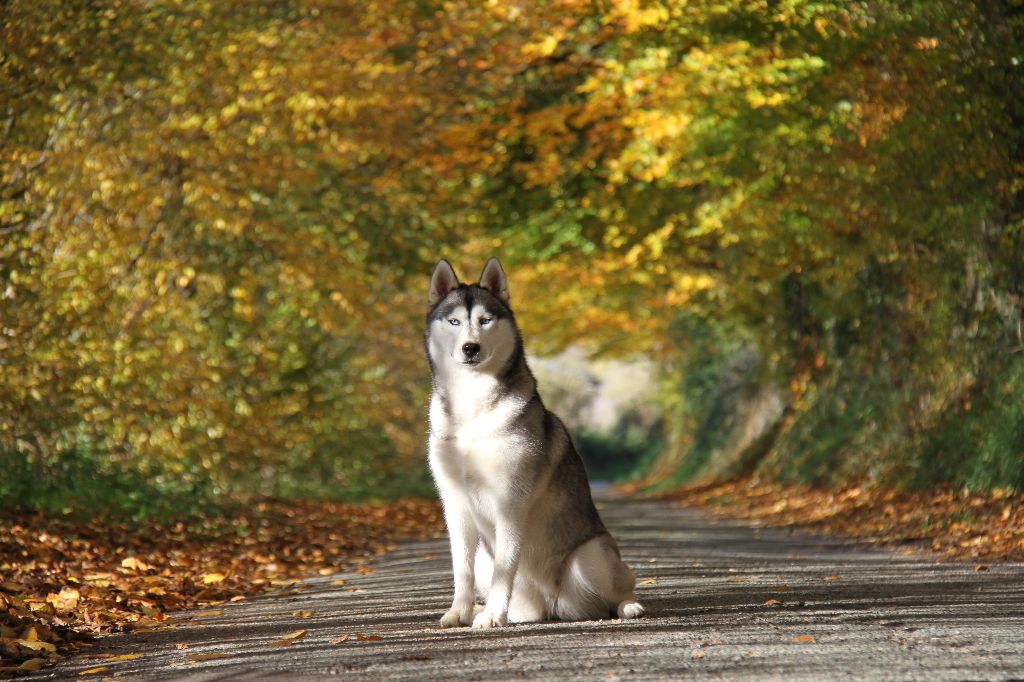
column 218, row 219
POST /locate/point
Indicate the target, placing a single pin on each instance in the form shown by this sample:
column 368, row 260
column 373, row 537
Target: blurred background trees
column 217, row 221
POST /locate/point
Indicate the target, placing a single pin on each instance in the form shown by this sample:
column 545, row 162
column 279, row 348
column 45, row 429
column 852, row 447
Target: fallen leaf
column 65, row 600
column 282, row 642
column 368, row 638
column 135, row 564
column 649, row 581
column 339, row 582
column 806, row 639
column 297, row 634
column 30, row 665
column 981, row 567
column 832, row 578
column 96, row 578
column 302, row 614
column 181, row 645
column 364, row 570
column 340, row 640
column 771, row 602
column 123, row 657
column 37, row 645
column 93, row 671
column 696, row 654
column 212, row 578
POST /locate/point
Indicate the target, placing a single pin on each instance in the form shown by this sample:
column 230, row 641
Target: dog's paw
column 485, row 620
column 630, row 609
column 456, row 617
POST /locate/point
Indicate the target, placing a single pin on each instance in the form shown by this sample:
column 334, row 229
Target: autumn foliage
column 954, row 524
column 65, row 581
column 217, row 220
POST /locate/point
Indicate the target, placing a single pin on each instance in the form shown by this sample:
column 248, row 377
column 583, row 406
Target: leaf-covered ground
column 957, row 524
column 64, row 580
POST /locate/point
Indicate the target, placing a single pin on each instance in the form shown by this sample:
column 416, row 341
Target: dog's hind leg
column 527, row 603
column 595, row 583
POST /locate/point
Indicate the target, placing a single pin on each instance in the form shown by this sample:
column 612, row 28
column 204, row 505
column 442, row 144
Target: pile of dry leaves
column 63, row 580
column 957, row 524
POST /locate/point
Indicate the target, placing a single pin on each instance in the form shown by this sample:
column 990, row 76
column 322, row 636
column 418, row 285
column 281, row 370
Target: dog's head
column 470, row 325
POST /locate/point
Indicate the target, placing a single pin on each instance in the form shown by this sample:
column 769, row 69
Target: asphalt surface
column 725, row 599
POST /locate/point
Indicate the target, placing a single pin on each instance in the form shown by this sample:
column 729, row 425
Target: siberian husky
column 525, row 536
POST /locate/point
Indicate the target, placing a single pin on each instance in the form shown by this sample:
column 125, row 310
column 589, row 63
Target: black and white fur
column 525, row 535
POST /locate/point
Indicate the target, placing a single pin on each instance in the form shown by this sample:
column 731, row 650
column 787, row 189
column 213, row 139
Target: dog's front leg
column 463, row 535
column 507, row 546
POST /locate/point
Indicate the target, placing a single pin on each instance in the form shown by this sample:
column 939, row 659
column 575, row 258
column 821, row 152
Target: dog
column 525, row 535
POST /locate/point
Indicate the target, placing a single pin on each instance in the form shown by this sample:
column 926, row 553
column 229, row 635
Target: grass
column 82, row 482
column 85, row 482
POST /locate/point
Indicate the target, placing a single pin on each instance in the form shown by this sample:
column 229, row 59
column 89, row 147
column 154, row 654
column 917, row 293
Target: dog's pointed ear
column 494, row 280
column 442, row 281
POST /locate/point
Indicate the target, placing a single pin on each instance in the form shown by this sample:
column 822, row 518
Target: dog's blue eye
column 484, row 321
column 453, row 322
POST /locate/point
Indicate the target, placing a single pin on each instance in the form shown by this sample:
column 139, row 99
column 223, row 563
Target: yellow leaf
column 211, row 578
column 37, row 645
column 93, row 671
column 123, row 657
column 135, row 564
column 66, row 600
column 290, row 638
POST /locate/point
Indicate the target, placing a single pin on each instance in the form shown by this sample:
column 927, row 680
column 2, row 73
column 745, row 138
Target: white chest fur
column 474, row 444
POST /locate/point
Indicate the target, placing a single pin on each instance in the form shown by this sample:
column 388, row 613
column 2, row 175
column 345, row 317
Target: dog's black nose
column 471, row 349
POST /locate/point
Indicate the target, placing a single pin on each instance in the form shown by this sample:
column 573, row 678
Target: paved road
column 726, row 601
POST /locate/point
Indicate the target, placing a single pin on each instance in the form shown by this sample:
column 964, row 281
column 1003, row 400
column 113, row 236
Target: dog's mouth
column 473, row 361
